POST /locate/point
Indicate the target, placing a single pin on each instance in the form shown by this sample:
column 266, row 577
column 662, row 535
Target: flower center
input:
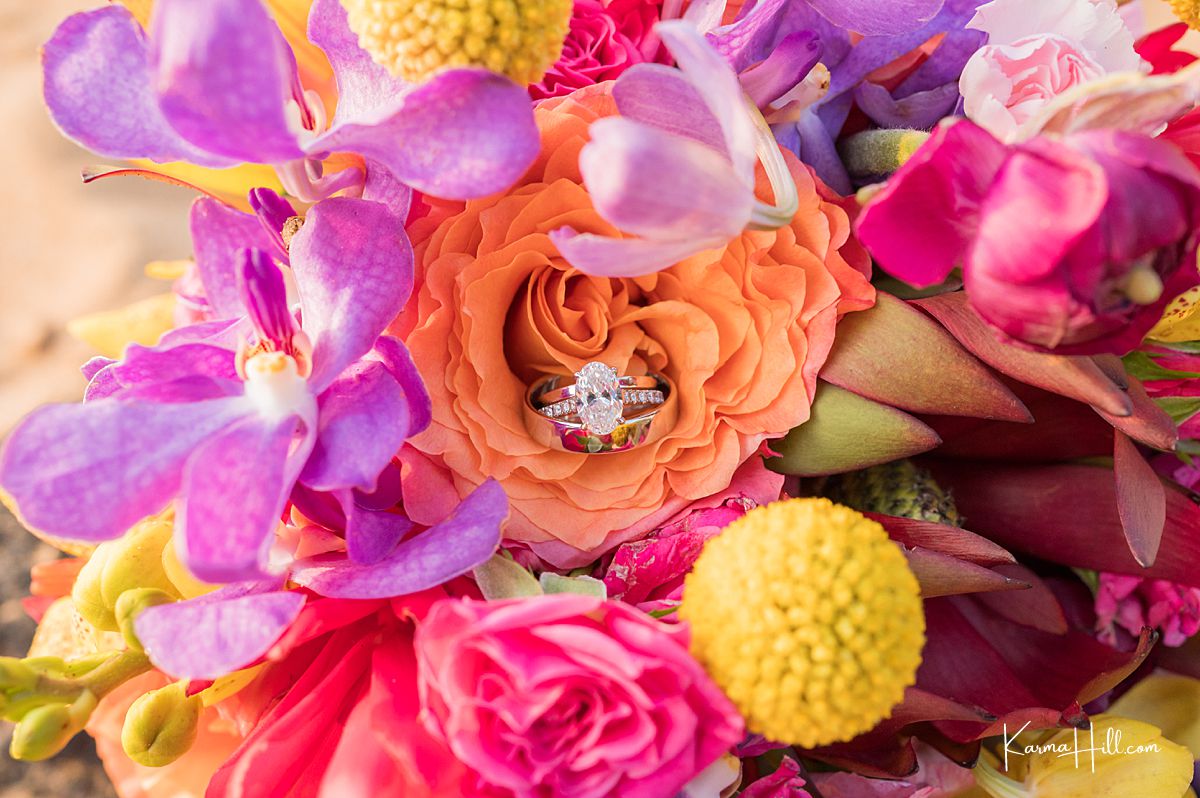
column 274, row 385
column 264, row 293
column 414, row 39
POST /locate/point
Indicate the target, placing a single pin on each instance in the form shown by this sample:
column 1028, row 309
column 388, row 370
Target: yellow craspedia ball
column 414, row 39
column 1187, row 10
column 809, row 618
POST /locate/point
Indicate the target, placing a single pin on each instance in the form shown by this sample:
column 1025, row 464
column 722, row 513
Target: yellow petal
column 1169, row 701
column 143, row 322
column 1133, row 759
column 167, row 269
column 228, row 185
column 229, row 685
column 1181, row 319
column 140, row 10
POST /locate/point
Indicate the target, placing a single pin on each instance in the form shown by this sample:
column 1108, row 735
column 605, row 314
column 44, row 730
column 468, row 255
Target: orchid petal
column 218, row 232
column 918, row 110
column 272, row 212
column 657, row 95
column 449, row 549
column 603, row 256
column 788, row 64
column 371, row 534
column 464, row 133
column 91, row 471
column 661, row 186
column 395, row 356
column 218, row 633
column 153, row 365
column 921, row 223
column 224, row 72
column 363, row 85
column 872, row 18
column 353, row 267
column 224, row 530
column 719, row 88
column 98, row 89
column 363, row 420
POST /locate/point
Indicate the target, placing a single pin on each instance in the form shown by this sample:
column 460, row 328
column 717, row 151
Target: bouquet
column 633, row 398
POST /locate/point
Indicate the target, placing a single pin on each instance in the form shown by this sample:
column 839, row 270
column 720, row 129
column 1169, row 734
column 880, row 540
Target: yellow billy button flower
column 1116, row 758
column 414, row 39
column 808, row 617
column 1187, row 10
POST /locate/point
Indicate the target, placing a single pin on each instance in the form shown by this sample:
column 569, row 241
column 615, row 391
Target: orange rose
column 741, row 331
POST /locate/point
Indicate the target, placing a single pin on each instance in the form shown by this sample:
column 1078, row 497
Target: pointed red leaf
column 942, row 575
column 943, row 538
column 1036, row 607
column 1141, row 501
column 1148, row 423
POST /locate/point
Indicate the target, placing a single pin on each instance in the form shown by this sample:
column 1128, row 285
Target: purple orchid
column 677, row 166
column 229, row 431
column 216, row 84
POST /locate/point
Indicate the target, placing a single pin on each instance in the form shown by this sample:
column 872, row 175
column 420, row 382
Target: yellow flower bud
column 188, row 586
column 1116, row 758
column 161, row 726
column 809, row 618
column 16, row 675
column 130, row 605
column 137, row 561
column 85, row 594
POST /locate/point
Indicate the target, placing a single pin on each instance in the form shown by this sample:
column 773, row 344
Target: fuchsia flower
column 1036, row 50
column 569, row 696
column 1074, row 244
column 325, row 404
column 1133, row 603
column 216, row 84
column 606, row 38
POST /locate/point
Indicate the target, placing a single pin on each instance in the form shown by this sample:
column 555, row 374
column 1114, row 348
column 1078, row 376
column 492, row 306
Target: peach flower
column 742, row 331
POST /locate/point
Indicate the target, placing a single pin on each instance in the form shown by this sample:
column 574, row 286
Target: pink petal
column 603, row 256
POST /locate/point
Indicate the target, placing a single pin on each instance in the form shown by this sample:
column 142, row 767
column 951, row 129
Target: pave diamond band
column 601, row 411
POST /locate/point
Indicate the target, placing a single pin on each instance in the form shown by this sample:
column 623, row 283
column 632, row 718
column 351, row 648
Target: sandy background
column 65, row 250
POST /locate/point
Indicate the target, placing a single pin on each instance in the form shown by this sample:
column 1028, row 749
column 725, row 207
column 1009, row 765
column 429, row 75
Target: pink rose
column 1037, row 50
column 1132, row 602
column 568, row 696
column 605, row 39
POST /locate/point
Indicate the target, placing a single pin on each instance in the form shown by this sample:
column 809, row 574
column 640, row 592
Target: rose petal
column 235, row 486
column 651, row 183
column 464, row 133
column 216, row 634
column 353, row 268
column 98, row 88
column 363, row 420
column 91, row 471
column 449, row 549
column 223, row 71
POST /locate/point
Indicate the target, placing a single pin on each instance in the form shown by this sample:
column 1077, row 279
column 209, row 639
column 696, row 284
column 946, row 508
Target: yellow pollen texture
column 414, row 39
column 809, row 618
column 1187, row 10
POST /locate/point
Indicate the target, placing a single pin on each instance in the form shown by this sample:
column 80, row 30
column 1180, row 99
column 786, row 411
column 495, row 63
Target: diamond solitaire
column 599, row 398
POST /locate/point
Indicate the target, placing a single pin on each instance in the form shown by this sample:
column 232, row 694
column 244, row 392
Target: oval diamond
column 598, row 398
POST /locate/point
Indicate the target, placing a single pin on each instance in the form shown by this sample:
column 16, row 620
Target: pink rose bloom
column 568, row 696
column 1132, row 602
column 1038, row 49
column 606, row 38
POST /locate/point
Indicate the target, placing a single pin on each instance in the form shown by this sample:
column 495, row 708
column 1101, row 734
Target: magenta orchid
column 1073, row 244
column 326, row 403
column 216, row 84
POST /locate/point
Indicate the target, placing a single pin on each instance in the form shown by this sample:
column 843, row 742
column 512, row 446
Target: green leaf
column 1179, row 408
column 584, row 585
column 1142, row 366
column 502, row 578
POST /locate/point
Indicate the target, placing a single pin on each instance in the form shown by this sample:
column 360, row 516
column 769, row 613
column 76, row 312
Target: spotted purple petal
column 235, row 486
column 99, row 90
column 442, row 552
column 354, row 271
column 216, row 634
column 225, row 74
column 363, row 420
column 370, row 534
column 218, row 232
column 395, row 356
column 602, row 256
column 91, row 471
column 263, row 293
column 272, row 211
column 873, row 18
column 464, row 133
column 364, row 87
column 660, row 96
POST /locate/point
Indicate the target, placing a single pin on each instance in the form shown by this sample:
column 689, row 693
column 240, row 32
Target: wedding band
column 601, row 412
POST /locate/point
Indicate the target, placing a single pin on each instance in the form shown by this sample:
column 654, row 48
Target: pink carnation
column 1132, row 602
column 606, row 38
column 569, row 696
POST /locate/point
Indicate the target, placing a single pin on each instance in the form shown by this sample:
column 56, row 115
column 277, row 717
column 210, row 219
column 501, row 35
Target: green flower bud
column 137, row 562
column 161, row 726
column 130, row 605
column 44, row 731
column 16, row 675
